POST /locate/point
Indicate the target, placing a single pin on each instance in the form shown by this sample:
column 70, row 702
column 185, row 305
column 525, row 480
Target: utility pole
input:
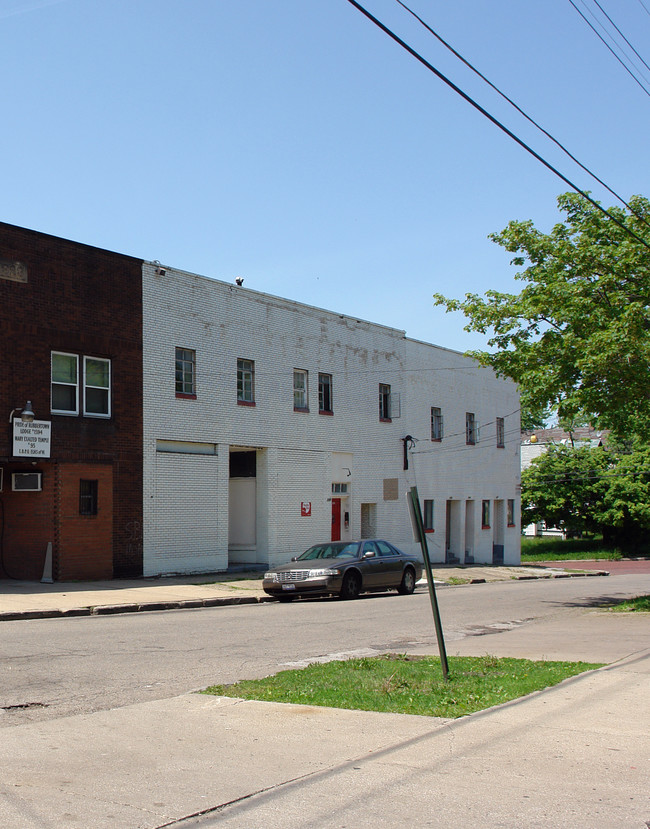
column 418, row 524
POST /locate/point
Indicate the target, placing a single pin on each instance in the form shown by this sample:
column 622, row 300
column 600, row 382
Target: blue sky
column 294, row 144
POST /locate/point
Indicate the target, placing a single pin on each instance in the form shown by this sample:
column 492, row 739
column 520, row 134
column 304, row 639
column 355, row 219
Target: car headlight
column 270, row 575
column 324, row 572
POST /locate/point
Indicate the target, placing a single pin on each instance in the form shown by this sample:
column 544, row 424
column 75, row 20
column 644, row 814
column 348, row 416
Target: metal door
column 336, row 519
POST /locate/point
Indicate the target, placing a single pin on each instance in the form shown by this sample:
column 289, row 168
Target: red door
column 336, row 519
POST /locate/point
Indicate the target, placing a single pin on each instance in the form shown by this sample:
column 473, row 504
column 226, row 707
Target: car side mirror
column 369, row 554
column 294, row 558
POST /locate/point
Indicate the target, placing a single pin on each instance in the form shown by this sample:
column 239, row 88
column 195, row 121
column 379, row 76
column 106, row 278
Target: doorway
column 242, row 508
column 336, row 519
column 498, row 538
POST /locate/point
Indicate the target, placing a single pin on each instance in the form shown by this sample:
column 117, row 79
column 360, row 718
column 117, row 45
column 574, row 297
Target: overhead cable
column 495, row 121
column 519, row 109
column 600, row 37
column 621, row 34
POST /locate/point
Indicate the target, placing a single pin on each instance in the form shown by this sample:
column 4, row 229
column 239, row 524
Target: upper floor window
column 470, row 428
column 384, row 402
column 246, row 381
column 65, row 383
column 436, row 423
column 325, row 405
column 300, row 390
column 501, row 433
column 185, row 372
column 95, row 385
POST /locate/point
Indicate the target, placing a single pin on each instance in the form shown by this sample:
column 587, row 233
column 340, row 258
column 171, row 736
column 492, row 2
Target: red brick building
column 71, row 343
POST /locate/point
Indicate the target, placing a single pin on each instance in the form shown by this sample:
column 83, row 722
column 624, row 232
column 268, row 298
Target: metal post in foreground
column 418, row 523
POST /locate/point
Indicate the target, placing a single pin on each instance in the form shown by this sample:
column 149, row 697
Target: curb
column 113, row 609
column 187, row 604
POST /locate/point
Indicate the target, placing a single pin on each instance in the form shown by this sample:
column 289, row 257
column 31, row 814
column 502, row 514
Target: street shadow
column 589, row 601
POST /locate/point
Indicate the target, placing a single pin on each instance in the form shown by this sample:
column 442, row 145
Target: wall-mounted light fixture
column 409, row 443
column 27, row 414
column 159, row 268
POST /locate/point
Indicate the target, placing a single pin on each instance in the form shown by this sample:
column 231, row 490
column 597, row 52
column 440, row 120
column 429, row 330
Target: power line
column 601, row 38
column 647, row 10
column 621, row 34
column 495, row 121
column 518, row 108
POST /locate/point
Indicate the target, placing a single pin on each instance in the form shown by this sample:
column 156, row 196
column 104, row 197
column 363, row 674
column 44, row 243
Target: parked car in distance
column 345, row 569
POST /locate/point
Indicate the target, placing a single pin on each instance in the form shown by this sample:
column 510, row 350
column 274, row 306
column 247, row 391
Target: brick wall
column 85, row 542
column 86, row 301
column 27, row 523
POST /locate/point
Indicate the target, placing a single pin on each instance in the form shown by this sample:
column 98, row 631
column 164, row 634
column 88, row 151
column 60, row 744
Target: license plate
column 288, row 586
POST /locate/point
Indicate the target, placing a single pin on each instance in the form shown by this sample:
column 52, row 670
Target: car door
column 390, row 568
column 371, row 566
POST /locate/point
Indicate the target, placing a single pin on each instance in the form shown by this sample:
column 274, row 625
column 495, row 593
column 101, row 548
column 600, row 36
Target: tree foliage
column 565, row 487
column 595, row 490
column 576, row 338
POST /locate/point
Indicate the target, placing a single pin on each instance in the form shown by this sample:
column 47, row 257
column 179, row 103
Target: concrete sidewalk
column 574, row 756
column 29, row 600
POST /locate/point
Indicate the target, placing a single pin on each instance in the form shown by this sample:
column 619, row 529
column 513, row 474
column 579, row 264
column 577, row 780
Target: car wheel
column 407, row 585
column 351, row 586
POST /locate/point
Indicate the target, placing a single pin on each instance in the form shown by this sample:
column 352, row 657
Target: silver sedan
column 345, row 569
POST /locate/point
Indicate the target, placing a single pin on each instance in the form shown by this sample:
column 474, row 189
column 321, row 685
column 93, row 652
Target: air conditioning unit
column 27, row 481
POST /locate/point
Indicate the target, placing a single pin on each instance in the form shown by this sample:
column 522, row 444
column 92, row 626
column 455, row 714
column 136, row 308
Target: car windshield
column 332, row 550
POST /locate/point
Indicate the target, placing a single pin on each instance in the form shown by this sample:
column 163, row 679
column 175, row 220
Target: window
column 385, row 549
column 185, row 372
column 427, row 517
column 97, row 387
column 65, row 383
column 485, row 515
column 501, row 433
column 246, row 382
column 470, row 428
column 325, row 394
column 300, row 388
column 511, row 512
column 436, row 423
column 339, row 489
column 87, row 497
column 384, row 402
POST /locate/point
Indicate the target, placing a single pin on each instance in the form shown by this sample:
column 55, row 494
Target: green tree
column 626, row 505
column 576, row 338
column 604, row 491
column 566, row 488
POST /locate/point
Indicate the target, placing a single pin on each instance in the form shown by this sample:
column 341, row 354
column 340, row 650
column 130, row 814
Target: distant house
column 535, row 442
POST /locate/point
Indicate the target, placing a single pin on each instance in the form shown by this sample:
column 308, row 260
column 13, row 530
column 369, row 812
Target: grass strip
column 560, row 549
column 403, row 684
column 639, row 605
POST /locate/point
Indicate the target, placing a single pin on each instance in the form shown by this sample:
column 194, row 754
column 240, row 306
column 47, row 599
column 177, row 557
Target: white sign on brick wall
column 31, row 439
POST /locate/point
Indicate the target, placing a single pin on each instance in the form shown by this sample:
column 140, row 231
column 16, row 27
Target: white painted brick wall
column 222, row 322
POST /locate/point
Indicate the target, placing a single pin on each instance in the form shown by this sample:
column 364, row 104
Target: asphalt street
column 572, row 756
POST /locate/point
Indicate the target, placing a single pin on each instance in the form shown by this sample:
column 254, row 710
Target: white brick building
column 270, row 425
